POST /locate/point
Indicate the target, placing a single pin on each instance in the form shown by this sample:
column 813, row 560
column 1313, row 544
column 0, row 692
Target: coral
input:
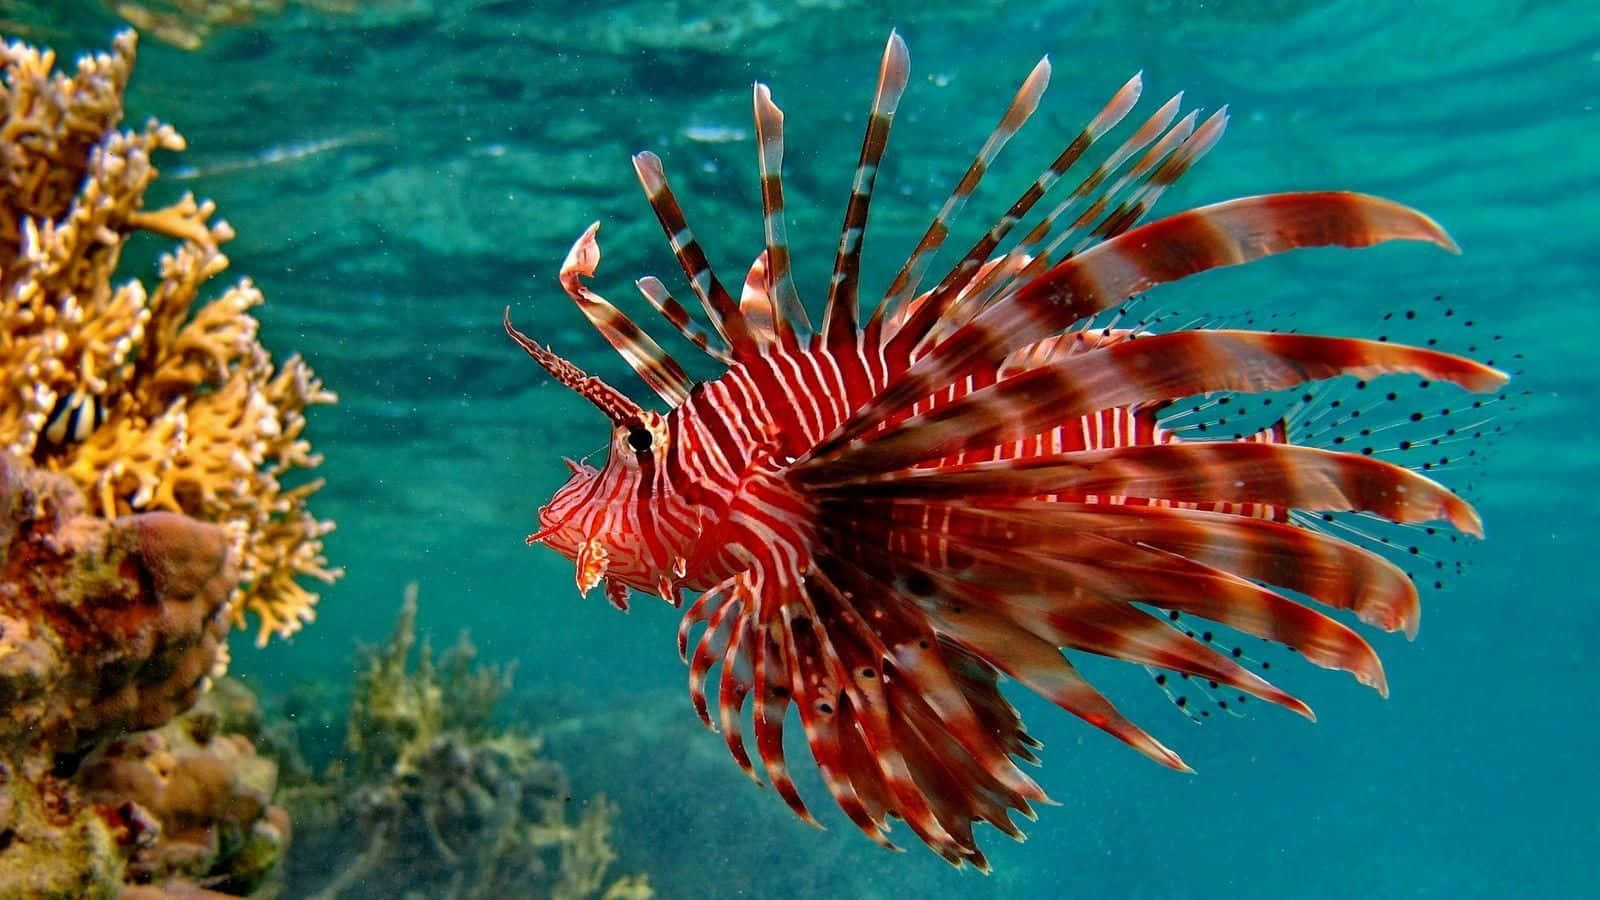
column 430, row 799
column 201, row 797
column 54, row 847
column 145, row 402
column 153, row 814
column 105, row 626
column 108, row 627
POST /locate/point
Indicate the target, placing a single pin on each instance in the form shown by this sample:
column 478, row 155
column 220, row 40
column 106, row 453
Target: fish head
column 595, row 518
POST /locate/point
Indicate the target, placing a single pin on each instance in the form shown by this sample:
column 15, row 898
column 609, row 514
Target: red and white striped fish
column 880, row 519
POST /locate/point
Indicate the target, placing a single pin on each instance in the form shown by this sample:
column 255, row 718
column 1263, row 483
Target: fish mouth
column 589, row 553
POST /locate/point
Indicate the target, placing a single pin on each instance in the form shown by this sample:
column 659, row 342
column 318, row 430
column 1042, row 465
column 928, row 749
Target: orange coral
column 144, row 401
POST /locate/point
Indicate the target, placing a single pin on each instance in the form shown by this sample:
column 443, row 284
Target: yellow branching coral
column 144, row 400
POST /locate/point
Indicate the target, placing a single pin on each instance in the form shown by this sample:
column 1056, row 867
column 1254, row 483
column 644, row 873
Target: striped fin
column 901, row 722
column 1148, row 132
column 840, row 317
column 716, row 300
column 709, row 649
column 1127, row 214
column 914, row 776
column 734, row 685
column 771, row 707
column 820, row 679
column 1022, row 552
column 823, row 731
column 790, row 313
column 1039, row 665
column 659, row 370
column 934, row 684
column 1329, row 570
column 1189, row 587
column 993, row 639
column 843, row 772
column 1120, row 104
column 1169, row 144
column 1142, row 370
column 670, row 309
column 1223, row 234
column 1050, row 601
column 1281, row 475
column 960, row 308
column 1151, row 157
column 953, row 731
column 963, row 273
column 1021, row 257
column 1179, row 139
column 1022, row 107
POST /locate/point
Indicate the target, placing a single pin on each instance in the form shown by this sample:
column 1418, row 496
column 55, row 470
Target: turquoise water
column 399, row 176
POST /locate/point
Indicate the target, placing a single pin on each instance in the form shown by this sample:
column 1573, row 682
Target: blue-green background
column 474, row 139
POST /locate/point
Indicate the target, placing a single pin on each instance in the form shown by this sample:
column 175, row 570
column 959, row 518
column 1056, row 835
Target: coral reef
column 144, row 402
column 430, row 799
column 144, row 449
column 107, row 627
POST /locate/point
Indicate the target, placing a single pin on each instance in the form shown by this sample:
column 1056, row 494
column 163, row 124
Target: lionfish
column 882, row 518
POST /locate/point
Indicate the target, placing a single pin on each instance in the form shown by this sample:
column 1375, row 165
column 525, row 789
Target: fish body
column 880, row 515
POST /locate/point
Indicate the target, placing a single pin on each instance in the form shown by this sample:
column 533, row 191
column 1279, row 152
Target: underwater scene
column 474, row 448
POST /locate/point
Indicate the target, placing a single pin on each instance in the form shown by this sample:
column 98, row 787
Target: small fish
column 73, row 418
column 879, row 518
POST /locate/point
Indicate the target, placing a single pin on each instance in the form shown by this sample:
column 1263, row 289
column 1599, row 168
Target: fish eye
column 639, row 439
